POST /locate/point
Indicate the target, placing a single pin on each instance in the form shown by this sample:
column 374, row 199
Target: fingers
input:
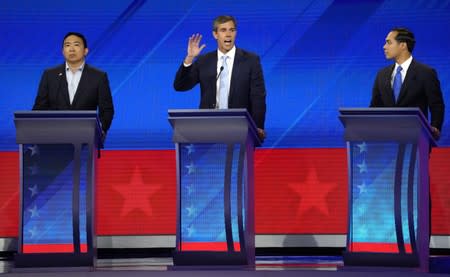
column 195, row 39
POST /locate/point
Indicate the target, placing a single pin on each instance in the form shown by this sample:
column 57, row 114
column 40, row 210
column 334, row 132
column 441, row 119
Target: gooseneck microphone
column 220, row 71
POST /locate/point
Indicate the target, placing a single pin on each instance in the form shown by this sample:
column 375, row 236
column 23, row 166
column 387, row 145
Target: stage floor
column 265, row 266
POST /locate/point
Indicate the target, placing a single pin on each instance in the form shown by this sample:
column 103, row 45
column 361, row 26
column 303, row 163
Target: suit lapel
column 386, row 89
column 235, row 73
column 62, row 84
column 410, row 75
column 213, row 68
column 82, row 85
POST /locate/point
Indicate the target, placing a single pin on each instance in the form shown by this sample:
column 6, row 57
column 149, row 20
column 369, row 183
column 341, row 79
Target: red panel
column 9, row 194
column 301, row 191
column 136, row 192
column 440, row 191
column 208, row 246
column 298, row 191
column 52, row 248
column 378, row 247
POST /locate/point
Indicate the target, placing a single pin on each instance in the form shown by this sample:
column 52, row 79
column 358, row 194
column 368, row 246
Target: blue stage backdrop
column 317, row 56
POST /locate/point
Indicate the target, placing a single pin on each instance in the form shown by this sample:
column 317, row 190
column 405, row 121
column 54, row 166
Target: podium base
column 42, row 260
column 211, row 259
column 357, row 259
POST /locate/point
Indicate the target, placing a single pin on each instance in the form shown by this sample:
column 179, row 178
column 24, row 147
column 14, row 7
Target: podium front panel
column 384, row 197
column 50, row 223
column 211, row 194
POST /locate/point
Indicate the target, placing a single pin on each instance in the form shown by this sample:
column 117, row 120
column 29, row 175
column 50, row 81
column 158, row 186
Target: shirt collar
column 230, row 53
column 405, row 65
column 78, row 69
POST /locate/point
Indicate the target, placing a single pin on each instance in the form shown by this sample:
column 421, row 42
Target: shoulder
column 421, row 67
column 55, row 70
column 93, row 70
column 246, row 54
column 205, row 58
column 385, row 71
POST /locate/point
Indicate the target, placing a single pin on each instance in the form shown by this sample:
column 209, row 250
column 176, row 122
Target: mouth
column 227, row 42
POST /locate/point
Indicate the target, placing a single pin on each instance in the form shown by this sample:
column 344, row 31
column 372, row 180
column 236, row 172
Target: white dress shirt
column 405, row 65
column 73, row 79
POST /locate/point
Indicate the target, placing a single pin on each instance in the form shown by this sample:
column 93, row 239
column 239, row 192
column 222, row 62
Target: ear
column 214, row 34
column 86, row 50
column 404, row 45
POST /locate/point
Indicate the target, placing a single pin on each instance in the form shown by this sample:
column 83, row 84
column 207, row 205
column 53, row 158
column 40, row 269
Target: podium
column 57, row 152
column 215, row 187
column 388, row 215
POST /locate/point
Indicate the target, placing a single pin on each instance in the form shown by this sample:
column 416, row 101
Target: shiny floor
column 265, row 266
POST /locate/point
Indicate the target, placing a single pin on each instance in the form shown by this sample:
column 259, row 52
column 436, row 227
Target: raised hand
column 194, row 48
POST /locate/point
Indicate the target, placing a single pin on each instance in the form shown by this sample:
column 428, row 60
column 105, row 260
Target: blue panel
column 202, row 192
column 47, row 194
column 317, row 56
column 373, row 176
column 47, row 197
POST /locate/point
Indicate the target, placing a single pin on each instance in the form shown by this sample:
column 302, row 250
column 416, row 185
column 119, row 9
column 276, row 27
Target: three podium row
column 388, row 187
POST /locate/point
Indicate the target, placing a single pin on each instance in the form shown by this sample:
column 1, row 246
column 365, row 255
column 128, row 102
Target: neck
column 74, row 65
column 402, row 58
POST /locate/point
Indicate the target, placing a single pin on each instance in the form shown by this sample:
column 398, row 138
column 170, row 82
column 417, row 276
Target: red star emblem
column 137, row 194
column 312, row 193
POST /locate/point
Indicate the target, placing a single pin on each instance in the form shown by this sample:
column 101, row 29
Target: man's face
column 74, row 50
column 225, row 34
column 392, row 48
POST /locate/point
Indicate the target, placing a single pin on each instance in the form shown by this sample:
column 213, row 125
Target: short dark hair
column 80, row 35
column 222, row 19
column 405, row 35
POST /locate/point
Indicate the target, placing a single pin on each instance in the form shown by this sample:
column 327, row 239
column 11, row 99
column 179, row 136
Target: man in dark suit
column 229, row 77
column 416, row 84
column 75, row 85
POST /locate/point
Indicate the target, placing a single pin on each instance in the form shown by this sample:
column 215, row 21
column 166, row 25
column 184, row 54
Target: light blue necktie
column 397, row 85
column 224, row 84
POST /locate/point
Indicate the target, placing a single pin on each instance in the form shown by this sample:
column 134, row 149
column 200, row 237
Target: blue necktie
column 224, row 84
column 397, row 85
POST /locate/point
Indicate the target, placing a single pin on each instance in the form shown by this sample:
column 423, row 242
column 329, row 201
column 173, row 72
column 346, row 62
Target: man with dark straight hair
column 408, row 83
column 75, row 85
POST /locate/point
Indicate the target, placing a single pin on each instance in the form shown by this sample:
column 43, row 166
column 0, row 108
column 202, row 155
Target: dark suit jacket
column 247, row 89
column 93, row 92
column 421, row 88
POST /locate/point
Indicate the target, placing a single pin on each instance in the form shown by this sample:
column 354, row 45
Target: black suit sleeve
column 376, row 100
column 41, row 101
column 186, row 78
column 435, row 99
column 105, row 105
column 258, row 94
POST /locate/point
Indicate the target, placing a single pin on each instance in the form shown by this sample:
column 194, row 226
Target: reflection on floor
column 265, row 266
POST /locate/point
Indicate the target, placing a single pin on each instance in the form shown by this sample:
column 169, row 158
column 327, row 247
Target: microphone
column 220, row 71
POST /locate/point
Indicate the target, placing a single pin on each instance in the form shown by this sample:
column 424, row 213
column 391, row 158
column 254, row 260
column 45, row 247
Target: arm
column 41, row 101
column 258, row 96
column 187, row 75
column 435, row 102
column 105, row 104
column 376, row 94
